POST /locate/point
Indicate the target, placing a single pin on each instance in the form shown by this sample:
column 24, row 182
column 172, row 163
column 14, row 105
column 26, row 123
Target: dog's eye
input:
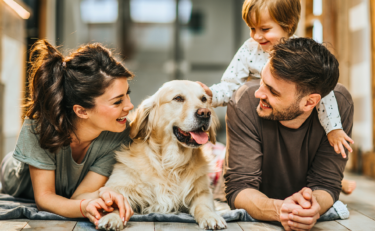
column 204, row 99
column 178, row 99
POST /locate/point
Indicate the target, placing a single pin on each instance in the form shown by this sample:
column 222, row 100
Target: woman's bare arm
column 46, row 199
column 89, row 187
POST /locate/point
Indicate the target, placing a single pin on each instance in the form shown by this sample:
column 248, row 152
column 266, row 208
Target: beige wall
column 12, row 73
column 360, row 72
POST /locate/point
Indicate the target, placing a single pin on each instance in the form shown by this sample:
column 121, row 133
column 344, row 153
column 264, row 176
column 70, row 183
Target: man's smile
column 264, row 105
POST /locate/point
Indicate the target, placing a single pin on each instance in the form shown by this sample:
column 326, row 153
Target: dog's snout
column 203, row 113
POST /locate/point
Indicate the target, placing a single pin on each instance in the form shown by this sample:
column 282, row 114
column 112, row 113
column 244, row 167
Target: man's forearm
column 258, row 205
column 324, row 200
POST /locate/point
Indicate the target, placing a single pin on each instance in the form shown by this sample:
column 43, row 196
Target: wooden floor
column 361, row 205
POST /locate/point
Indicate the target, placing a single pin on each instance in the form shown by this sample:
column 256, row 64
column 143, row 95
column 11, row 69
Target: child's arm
column 330, row 119
column 235, row 75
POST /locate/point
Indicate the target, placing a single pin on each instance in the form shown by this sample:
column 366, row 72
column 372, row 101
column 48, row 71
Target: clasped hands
column 300, row 211
column 108, row 200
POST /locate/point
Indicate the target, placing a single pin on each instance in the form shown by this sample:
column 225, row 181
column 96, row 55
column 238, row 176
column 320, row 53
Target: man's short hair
column 286, row 13
column 308, row 64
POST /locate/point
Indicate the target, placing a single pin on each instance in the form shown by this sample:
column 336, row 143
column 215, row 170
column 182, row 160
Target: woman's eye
column 204, row 99
column 178, row 99
column 265, row 29
column 128, row 92
column 118, row 102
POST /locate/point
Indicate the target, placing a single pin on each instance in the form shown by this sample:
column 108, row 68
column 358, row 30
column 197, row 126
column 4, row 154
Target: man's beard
column 290, row 113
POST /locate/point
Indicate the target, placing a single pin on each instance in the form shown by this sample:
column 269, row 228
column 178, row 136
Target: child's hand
column 338, row 138
column 206, row 89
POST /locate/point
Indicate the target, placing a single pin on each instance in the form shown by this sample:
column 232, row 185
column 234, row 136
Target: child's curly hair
column 285, row 12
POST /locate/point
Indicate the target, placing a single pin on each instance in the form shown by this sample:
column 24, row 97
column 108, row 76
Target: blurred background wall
column 162, row 40
column 13, row 48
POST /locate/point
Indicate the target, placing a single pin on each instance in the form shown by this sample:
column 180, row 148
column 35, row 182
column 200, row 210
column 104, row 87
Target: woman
column 76, row 120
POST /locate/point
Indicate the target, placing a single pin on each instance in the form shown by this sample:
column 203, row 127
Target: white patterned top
column 249, row 61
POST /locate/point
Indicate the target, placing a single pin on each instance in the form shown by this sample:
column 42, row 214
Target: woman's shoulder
column 31, row 123
column 29, row 130
column 28, row 149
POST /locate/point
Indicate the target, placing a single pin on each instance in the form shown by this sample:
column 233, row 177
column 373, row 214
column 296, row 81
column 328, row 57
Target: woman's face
column 111, row 108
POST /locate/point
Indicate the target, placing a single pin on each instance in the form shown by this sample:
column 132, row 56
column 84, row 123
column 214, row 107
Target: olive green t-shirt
column 100, row 158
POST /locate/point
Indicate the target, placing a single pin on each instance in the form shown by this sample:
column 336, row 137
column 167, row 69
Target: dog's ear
column 214, row 126
column 140, row 126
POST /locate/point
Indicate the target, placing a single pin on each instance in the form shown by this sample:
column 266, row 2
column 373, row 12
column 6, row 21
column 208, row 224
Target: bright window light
column 318, row 31
column 161, row 11
column 18, row 9
column 99, row 11
column 317, row 7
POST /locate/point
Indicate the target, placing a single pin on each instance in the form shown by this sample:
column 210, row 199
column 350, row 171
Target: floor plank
column 12, row 225
column 258, row 226
column 84, row 226
column 364, row 208
column 233, row 226
column 358, row 221
column 131, row 226
column 328, row 225
column 136, row 226
column 364, row 192
column 34, row 225
column 169, row 226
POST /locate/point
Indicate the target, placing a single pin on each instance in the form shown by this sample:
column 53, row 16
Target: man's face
column 278, row 98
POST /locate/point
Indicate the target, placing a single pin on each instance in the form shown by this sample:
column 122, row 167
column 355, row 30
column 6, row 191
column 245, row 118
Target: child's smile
column 266, row 32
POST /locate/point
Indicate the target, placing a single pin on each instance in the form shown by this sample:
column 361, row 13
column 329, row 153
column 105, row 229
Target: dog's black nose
column 203, row 113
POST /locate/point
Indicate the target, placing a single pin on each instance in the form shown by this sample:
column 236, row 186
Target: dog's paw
column 111, row 221
column 211, row 221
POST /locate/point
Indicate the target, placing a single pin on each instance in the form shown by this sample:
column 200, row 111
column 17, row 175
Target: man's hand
column 300, row 211
column 306, row 218
column 288, row 205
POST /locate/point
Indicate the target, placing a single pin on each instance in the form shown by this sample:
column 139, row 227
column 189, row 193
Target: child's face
column 268, row 32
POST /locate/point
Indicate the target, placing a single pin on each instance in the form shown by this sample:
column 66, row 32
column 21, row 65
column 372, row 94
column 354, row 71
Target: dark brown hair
column 307, row 63
column 56, row 84
column 285, row 12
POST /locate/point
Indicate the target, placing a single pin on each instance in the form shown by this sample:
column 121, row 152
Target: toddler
column 269, row 22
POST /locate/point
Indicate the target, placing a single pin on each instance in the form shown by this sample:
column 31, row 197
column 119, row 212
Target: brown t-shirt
column 276, row 160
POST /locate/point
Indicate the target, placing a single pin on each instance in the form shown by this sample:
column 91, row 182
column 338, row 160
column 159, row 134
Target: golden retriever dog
column 165, row 170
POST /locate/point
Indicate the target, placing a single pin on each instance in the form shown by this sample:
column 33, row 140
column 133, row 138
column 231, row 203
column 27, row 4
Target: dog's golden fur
column 158, row 173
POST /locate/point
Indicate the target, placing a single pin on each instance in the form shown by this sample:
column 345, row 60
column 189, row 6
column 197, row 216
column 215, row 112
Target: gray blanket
column 18, row 208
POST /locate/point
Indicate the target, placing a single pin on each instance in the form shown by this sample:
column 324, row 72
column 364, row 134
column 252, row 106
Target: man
column 280, row 165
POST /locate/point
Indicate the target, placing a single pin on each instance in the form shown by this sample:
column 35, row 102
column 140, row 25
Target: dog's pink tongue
column 199, row 137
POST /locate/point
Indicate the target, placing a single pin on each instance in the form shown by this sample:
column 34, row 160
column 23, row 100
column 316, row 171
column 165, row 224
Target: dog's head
column 180, row 110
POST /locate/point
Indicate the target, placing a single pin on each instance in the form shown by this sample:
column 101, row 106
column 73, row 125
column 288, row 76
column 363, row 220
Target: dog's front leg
column 202, row 208
column 111, row 221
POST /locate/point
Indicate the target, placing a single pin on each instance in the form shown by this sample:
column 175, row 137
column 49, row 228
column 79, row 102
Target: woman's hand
column 116, row 200
column 93, row 209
